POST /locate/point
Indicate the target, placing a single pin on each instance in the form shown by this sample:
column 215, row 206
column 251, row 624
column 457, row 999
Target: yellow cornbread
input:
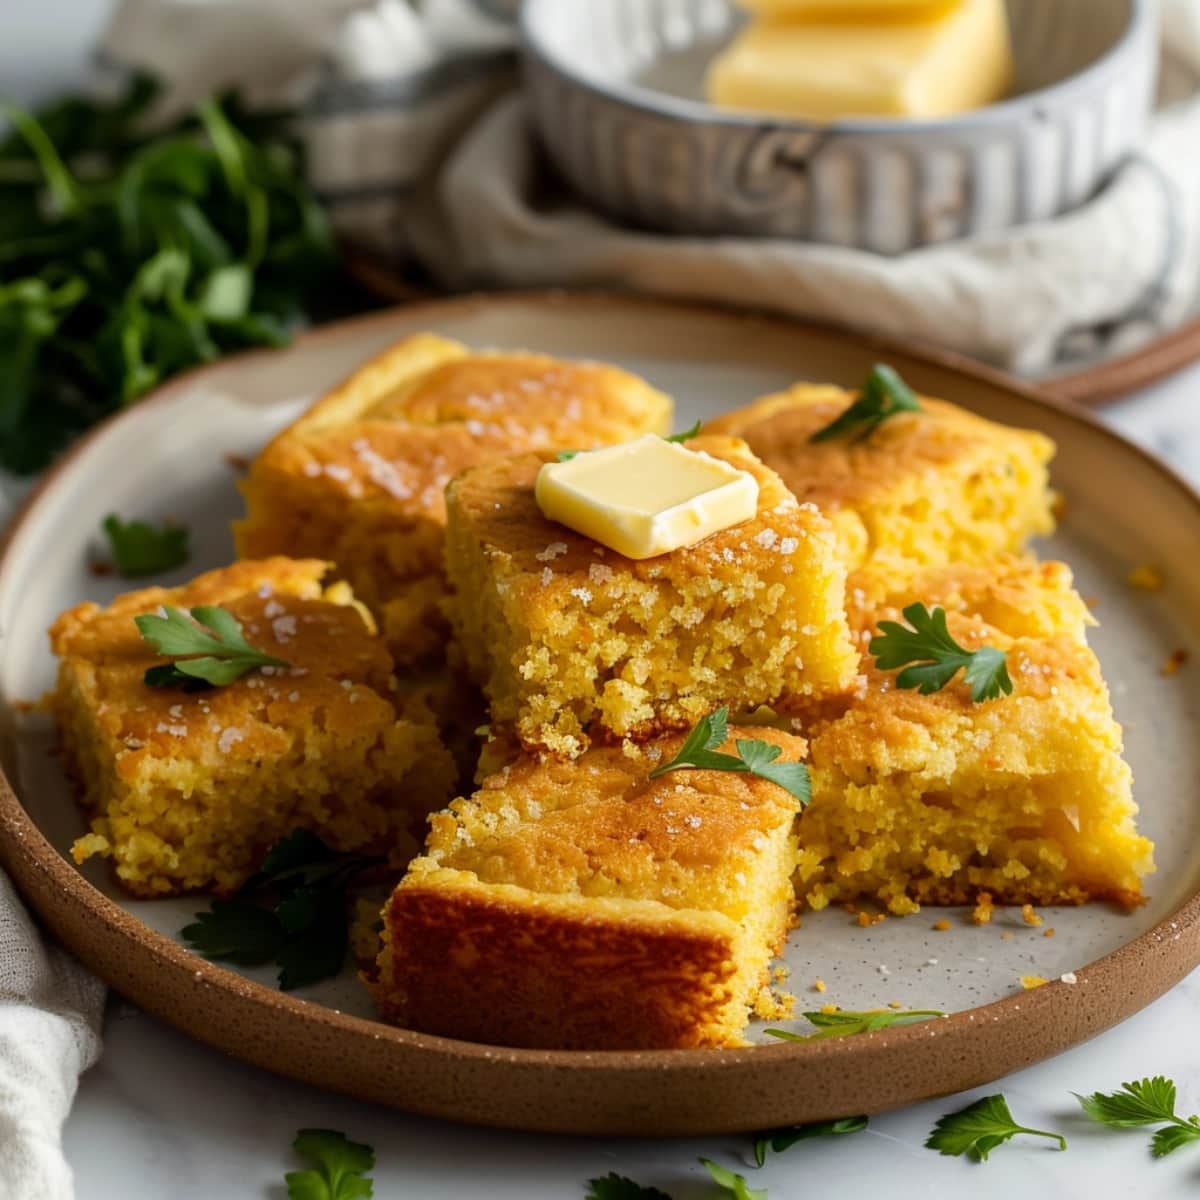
column 583, row 905
column 930, row 64
column 848, row 10
column 925, row 489
column 934, row 799
column 572, row 641
column 359, row 479
column 187, row 790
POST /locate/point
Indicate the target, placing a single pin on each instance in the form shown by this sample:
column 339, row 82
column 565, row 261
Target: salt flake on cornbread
column 187, row 789
column 573, row 641
column 595, row 905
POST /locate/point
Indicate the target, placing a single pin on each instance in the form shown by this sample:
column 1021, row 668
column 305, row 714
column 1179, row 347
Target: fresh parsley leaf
column 979, row 1128
column 1146, row 1102
column 140, row 549
column 733, row 1183
column 210, row 632
column 567, row 455
column 293, row 912
column 931, row 657
column 784, row 1139
column 847, row 1024
column 754, row 757
column 884, row 395
column 618, row 1187
column 235, row 931
column 686, row 435
column 339, row 1171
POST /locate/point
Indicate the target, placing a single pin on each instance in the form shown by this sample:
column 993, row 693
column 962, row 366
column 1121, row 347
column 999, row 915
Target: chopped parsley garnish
column 685, row 436
column 979, row 1128
column 618, row 1187
column 884, row 395
column 1148, row 1102
column 699, row 753
column 292, row 913
column 780, row 1140
column 931, row 657
column 207, row 644
column 339, row 1167
column 733, row 1183
column 846, row 1024
column 139, row 549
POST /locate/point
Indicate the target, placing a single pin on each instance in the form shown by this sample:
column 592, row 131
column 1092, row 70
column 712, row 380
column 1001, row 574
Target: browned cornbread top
column 339, row 672
column 399, row 429
column 856, row 473
column 600, row 826
column 497, row 501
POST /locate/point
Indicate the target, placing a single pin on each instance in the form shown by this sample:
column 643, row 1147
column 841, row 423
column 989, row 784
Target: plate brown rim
column 973, row 1046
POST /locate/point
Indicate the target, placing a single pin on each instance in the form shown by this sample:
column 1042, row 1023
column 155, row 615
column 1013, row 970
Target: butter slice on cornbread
column 934, row 799
column 583, row 905
column 934, row 63
column 187, row 790
column 572, row 641
column 360, row 478
column 925, row 489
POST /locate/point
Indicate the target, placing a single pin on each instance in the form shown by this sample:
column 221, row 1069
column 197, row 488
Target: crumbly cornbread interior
column 572, row 641
column 926, row 489
column 584, row 905
column 360, row 478
column 187, row 790
column 935, row 799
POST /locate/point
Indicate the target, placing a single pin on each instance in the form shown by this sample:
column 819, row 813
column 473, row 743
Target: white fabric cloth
column 50, row 1011
column 419, row 145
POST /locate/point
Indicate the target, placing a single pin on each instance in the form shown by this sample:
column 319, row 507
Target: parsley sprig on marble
column 293, row 913
column 883, row 396
column 619, row 1187
column 846, row 1024
column 979, row 1128
column 930, row 657
column 140, row 549
column 699, row 753
column 685, row 436
column 338, row 1171
column 1148, row 1102
column 780, row 1140
column 207, row 644
column 732, row 1182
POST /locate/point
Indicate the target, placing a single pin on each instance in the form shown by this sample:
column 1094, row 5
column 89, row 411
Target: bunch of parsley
column 126, row 257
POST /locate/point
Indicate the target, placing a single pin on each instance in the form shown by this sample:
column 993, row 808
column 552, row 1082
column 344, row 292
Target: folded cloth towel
column 420, row 145
column 50, row 1010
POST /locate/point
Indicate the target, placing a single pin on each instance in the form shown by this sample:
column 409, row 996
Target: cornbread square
column 926, row 489
column 187, row 790
column 586, row 906
column 936, row 799
column 571, row 640
column 359, row 479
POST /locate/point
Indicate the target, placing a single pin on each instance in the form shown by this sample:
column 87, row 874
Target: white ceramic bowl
column 615, row 88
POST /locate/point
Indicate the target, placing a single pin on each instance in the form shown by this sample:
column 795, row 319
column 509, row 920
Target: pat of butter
column 850, row 10
column 646, row 497
column 823, row 70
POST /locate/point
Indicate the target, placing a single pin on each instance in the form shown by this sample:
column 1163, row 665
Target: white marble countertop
column 162, row 1116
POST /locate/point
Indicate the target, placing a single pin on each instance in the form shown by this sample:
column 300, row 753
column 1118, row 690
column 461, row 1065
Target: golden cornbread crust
column 934, row 799
column 931, row 488
column 359, row 479
column 188, row 790
column 573, row 642
column 585, row 906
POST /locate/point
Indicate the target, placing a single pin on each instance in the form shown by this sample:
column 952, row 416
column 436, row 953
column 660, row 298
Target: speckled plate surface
column 170, row 456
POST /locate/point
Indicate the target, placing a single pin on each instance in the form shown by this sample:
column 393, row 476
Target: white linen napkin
column 419, row 144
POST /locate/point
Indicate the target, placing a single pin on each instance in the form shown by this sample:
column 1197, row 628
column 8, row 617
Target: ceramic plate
column 171, row 456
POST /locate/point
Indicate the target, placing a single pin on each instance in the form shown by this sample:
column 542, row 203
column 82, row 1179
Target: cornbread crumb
column 1049, row 932
column 818, row 985
column 1007, row 936
column 1029, row 916
column 1175, row 663
column 1029, row 982
column 186, row 790
column 1147, row 578
column 895, row 1004
column 942, row 925
column 982, row 912
column 829, row 1008
column 575, row 905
